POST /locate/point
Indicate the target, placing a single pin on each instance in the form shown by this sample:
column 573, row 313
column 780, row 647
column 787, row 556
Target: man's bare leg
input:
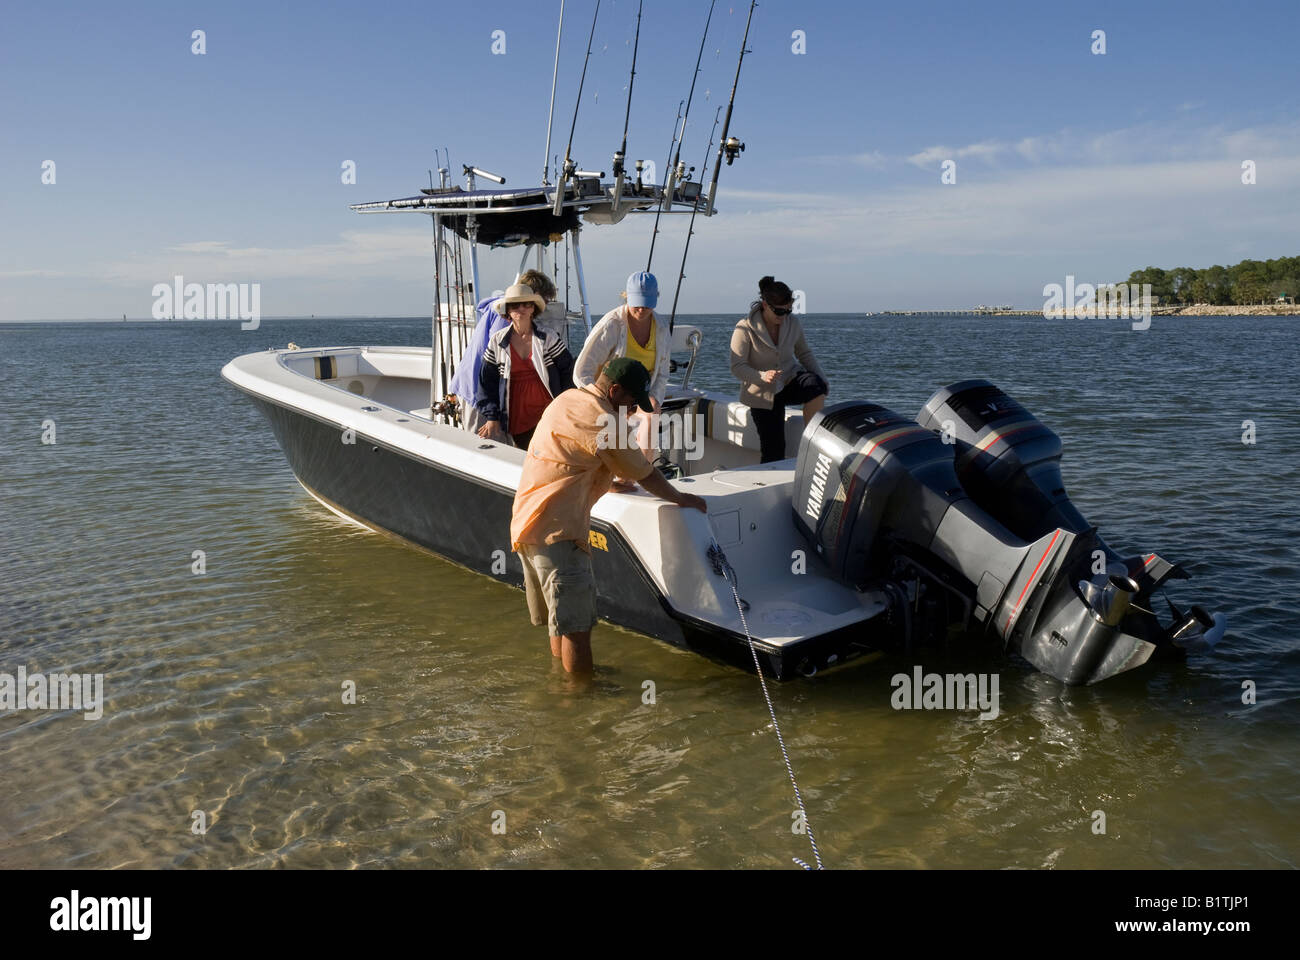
column 576, row 652
column 555, row 646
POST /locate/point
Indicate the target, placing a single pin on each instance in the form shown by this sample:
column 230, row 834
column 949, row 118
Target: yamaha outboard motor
column 1009, row 462
column 879, row 498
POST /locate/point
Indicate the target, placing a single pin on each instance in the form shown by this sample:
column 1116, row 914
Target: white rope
column 723, row 567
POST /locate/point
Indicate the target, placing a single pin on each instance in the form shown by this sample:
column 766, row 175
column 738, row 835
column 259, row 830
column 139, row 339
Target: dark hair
column 772, row 291
column 539, row 282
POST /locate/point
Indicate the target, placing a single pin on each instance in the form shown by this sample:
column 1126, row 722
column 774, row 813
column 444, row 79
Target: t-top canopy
column 505, row 217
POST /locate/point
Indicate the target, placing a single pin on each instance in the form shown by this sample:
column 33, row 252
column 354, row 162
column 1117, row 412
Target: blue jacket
column 464, row 382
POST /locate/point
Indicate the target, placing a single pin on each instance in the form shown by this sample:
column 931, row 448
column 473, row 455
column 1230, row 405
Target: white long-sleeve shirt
column 608, row 340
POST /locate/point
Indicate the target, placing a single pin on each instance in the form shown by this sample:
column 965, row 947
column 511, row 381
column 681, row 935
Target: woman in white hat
column 524, row 367
column 634, row 331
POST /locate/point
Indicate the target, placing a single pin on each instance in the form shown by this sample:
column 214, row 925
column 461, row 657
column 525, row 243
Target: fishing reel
column 732, row 147
column 448, row 407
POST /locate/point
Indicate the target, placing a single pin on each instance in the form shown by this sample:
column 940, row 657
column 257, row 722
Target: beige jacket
column 752, row 352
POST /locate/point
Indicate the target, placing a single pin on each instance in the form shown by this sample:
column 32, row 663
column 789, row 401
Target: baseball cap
column 633, row 377
column 642, row 290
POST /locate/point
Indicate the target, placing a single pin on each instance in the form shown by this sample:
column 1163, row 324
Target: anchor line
column 722, row 566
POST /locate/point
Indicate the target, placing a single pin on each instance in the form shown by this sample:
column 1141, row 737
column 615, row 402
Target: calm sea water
column 223, row 691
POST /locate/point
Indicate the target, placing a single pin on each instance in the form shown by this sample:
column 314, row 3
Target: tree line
column 1247, row 282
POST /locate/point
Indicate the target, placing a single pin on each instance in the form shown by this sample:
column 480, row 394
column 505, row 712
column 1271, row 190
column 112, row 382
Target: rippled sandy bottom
column 225, row 690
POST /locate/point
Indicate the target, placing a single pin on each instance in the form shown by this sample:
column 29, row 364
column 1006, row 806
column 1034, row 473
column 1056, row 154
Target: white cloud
column 357, row 253
column 1096, row 205
column 1140, row 143
column 931, row 156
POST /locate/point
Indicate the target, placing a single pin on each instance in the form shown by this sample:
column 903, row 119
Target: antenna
column 567, row 171
column 555, row 73
column 730, row 145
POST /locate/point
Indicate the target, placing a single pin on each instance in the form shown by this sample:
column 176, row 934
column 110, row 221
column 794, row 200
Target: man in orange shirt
column 575, row 453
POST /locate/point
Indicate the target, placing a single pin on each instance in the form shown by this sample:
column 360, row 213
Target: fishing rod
column 436, row 354
column 672, row 166
column 555, row 73
column 672, row 140
column 690, row 228
column 568, row 172
column 627, row 116
column 730, row 145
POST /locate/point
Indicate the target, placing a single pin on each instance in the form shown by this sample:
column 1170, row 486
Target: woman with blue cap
column 632, row 330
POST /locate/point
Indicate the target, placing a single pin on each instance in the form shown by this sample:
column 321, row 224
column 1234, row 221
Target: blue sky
column 225, row 167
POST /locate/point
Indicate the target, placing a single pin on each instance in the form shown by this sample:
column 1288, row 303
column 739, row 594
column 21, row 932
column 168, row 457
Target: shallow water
column 224, row 691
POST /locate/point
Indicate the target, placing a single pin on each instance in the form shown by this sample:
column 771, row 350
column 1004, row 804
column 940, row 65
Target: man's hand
column 491, row 430
column 691, row 500
column 656, row 483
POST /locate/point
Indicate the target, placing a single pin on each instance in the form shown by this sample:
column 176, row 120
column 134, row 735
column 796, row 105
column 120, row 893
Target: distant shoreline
column 1193, row 310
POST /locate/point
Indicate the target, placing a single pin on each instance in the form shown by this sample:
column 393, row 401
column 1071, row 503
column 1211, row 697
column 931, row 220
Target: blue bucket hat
column 642, row 290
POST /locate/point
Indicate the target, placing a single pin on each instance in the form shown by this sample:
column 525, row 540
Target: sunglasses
column 781, row 311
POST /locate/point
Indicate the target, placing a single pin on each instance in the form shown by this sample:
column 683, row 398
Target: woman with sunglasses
column 524, row 366
column 775, row 366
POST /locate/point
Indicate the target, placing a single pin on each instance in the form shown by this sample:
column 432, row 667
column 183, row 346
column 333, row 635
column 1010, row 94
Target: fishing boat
column 885, row 531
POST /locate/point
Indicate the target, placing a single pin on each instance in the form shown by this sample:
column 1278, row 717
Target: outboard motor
column 878, row 497
column 1009, row 462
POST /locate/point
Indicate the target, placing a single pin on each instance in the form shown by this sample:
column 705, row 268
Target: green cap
column 633, row 377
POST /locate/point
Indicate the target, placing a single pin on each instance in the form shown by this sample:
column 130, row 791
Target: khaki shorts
column 561, row 590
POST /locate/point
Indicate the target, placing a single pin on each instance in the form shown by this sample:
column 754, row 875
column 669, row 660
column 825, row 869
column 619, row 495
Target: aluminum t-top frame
column 509, row 217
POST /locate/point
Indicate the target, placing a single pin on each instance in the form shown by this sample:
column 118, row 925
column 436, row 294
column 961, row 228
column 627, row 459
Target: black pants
column 771, row 423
